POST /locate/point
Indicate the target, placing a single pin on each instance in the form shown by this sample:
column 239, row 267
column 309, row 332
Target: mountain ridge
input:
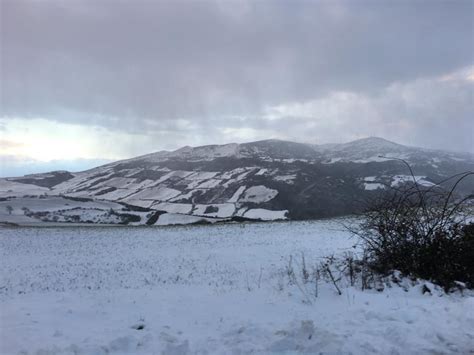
column 262, row 180
column 233, row 149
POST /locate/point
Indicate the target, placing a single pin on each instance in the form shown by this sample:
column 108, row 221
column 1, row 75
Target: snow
column 226, row 175
column 206, row 290
column 181, row 173
column 243, row 175
column 119, row 182
column 223, row 210
column 116, row 194
column 237, row 194
column 156, row 193
column 39, row 176
column 373, row 159
column 370, row 182
column 202, row 180
column 265, row 215
column 36, row 204
column 183, row 208
column 96, row 190
column 140, row 185
column 261, row 172
column 168, row 219
column 332, row 161
column 289, row 179
column 258, row 194
column 201, row 175
column 54, row 203
column 241, row 211
column 421, row 180
column 209, row 184
column 186, row 196
column 229, row 182
column 82, row 181
column 193, row 184
column 139, row 203
column 177, row 173
column 15, row 217
column 93, row 215
column 373, row 186
column 131, row 172
column 205, row 152
column 53, row 209
column 11, row 188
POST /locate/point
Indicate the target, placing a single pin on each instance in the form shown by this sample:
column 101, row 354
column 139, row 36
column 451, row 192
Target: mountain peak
column 360, row 150
column 270, row 179
column 373, row 141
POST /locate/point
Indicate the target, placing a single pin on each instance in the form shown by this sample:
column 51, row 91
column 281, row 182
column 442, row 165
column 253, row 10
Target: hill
column 264, row 180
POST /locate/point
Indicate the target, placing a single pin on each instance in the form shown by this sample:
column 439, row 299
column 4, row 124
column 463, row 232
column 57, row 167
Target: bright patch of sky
column 44, row 140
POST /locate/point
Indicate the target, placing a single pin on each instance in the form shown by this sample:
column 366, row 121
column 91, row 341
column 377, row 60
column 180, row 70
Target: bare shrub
column 422, row 232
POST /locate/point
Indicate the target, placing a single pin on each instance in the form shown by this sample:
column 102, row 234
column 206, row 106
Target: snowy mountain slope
column 374, row 149
column 265, row 150
column 259, row 180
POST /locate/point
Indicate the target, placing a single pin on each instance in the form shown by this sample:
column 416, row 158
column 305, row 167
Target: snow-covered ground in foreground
column 205, row 290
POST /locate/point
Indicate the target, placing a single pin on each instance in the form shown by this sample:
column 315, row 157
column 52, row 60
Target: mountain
column 264, row 180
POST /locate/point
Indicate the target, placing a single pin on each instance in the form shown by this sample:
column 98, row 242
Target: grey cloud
column 425, row 112
column 172, row 59
column 177, row 67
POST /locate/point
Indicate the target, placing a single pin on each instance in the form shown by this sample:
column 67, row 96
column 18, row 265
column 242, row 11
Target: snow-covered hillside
column 208, row 290
column 375, row 149
column 263, row 180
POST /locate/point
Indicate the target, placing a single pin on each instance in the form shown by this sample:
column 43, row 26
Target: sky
column 83, row 82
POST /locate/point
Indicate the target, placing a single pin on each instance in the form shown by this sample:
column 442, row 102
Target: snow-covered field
column 206, row 290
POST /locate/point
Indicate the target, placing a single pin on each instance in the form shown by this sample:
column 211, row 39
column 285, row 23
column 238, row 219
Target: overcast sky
column 83, row 82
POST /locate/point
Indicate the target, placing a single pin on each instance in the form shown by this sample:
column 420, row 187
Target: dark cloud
column 207, row 66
